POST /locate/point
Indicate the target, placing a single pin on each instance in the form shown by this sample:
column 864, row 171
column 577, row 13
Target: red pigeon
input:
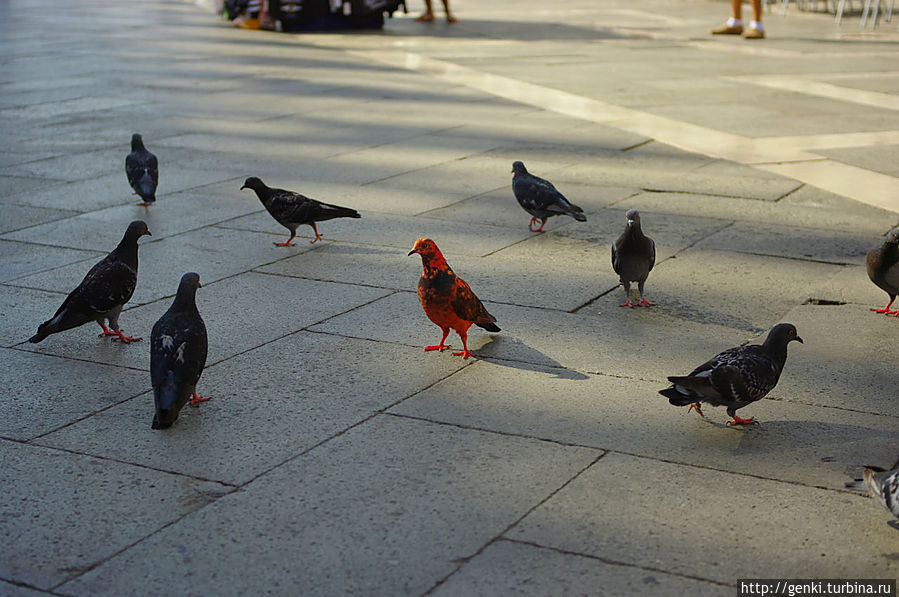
column 447, row 300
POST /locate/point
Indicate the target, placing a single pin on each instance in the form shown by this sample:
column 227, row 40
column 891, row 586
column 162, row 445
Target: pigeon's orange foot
column 196, row 399
column 285, row 244
column 451, row 19
column 441, row 347
column 628, row 303
column 464, row 354
column 145, row 203
column 533, row 221
column 697, row 407
column 885, row 310
column 646, row 303
column 119, row 336
column 317, row 238
column 425, row 18
column 741, row 421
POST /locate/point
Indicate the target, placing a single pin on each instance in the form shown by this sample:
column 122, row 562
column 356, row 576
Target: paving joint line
column 625, row 453
column 461, row 562
column 617, row 562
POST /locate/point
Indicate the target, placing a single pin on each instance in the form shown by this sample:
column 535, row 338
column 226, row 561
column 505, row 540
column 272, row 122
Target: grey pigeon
column 178, row 354
column 540, row 198
column 633, row 256
column 292, row 209
column 103, row 292
column 142, row 170
column 883, row 485
column 735, row 377
column 883, row 269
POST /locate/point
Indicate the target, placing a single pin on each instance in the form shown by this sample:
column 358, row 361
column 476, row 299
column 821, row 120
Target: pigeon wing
column 468, row 306
column 178, row 349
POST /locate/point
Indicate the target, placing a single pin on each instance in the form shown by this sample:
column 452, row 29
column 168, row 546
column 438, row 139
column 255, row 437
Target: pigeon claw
column 196, row 399
column 286, row 243
column 441, row 347
column 697, row 407
column 646, row 303
column 628, row 303
column 145, row 203
column 464, row 354
column 741, row 421
column 120, row 337
column 533, row 221
column 318, row 235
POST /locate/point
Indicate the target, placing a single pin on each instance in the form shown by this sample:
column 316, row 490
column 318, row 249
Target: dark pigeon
column 633, row 256
column 142, row 170
column 540, row 198
column 103, row 292
column 883, row 485
column 178, row 354
column 883, row 269
column 736, row 377
column 292, row 209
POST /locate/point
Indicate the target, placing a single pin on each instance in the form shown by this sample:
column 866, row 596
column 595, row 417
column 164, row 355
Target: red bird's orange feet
column 697, row 407
column 441, row 347
column 741, row 421
column 464, row 354
column 646, row 303
column 628, row 303
column 197, row 399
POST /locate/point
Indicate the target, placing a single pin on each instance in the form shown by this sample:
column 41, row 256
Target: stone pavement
column 336, row 457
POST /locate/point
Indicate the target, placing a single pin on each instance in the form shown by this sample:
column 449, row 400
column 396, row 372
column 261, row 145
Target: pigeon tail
column 40, row 335
column 675, row 398
column 336, row 211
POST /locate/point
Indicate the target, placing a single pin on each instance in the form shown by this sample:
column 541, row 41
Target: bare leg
column 428, row 15
column 756, row 10
column 449, row 17
column 736, row 9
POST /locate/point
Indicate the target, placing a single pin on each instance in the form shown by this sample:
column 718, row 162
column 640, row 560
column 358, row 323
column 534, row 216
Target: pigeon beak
column 798, row 339
column 630, row 222
column 149, row 233
column 411, row 252
column 243, row 187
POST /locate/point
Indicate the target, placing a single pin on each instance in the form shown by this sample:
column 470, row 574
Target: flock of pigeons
column 733, row 379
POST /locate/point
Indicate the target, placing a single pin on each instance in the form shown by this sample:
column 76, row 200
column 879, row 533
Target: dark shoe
column 725, row 29
column 754, row 34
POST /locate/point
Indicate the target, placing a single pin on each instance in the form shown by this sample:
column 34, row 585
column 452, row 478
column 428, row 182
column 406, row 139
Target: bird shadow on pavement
column 512, row 352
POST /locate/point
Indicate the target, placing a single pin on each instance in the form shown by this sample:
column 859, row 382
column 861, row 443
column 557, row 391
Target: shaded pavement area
column 336, row 457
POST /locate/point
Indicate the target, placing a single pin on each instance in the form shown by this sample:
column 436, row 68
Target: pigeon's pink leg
column 145, row 203
column 741, row 421
column 464, row 354
column 125, row 339
column 195, row 399
column 646, row 303
column 441, row 347
column 696, row 406
column 317, row 235
column 628, row 303
column 886, row 310
column 287, row 243
column 534, row 221
column 106, row 330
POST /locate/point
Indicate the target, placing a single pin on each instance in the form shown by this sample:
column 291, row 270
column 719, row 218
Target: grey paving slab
column 618, row 342
column 17, row 259
column 45, row 544
column 10, row 185
column 792, row 242
column 162, row 263
column 228, row 305
column 102, row 230
column 11, row 590
column 509, row 567
column 64, row 107
column 73, row 165
column 811, row 445
column 276, row 415
column 882, row 158
column 395, row 231
column 753, row 528
column 378, row 495
column 13, row 217
column 807, row 207
column 845, row 360
column 738, row 290
column 42, row 392
column 22, row 309
column 852, row 285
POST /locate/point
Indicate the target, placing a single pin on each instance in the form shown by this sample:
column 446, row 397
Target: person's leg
column 428, row 14
column 736, row 9
column 757, row 10
column 449, row 17
column 755, row 31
